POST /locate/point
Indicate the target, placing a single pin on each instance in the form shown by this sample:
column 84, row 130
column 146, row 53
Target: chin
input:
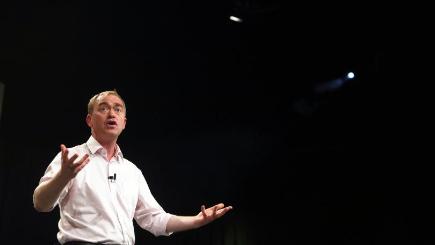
column 111, row 134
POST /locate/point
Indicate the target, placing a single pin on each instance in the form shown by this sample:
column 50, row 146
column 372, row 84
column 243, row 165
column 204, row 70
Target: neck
column 108, row 144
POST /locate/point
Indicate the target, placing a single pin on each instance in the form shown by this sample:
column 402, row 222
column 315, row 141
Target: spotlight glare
column 235, row 19
column 350, row 75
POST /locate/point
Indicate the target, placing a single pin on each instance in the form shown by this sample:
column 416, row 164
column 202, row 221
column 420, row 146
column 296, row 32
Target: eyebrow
column 105, row 103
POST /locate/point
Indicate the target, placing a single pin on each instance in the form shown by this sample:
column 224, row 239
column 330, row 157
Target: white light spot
column 236, row 19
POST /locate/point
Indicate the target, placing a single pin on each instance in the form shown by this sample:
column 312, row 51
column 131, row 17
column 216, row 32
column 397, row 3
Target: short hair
column 94, row 99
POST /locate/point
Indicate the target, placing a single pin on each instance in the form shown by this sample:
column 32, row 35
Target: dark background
column 220, row 111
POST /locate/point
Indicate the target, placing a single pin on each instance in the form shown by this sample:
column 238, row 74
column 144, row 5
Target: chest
column 102, row 182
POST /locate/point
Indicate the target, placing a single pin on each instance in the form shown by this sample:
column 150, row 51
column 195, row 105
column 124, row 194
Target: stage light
column 236, row 19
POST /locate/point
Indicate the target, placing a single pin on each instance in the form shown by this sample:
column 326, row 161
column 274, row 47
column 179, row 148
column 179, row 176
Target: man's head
column 106, row 116
column 94, row 100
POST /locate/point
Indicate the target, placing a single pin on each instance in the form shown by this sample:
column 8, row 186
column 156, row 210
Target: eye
column 103, row 109
column 118, row 109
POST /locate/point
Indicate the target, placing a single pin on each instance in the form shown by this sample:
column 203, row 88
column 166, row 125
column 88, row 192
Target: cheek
column 96, row 121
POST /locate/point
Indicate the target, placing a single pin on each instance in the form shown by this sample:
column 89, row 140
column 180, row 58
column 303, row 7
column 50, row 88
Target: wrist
column 197, row 221
column 62, row 178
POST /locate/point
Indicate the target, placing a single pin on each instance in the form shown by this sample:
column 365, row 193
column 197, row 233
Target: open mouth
column 111, row 123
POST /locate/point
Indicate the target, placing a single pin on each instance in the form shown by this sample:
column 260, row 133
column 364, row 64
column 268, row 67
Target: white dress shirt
column 96, row 208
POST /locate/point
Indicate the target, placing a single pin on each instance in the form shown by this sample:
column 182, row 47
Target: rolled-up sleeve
column 149, row 214
column 50, row 172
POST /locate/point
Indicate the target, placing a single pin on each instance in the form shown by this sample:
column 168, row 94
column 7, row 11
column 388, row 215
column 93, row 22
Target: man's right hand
column 69, row 168
column 47, row 193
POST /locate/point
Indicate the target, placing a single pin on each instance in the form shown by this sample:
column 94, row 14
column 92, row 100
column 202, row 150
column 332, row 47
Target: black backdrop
column 218, row 111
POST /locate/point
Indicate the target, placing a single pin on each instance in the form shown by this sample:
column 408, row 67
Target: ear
column 89, row 120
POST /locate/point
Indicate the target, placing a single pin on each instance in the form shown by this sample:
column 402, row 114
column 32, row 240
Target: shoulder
column 79, row 149
column 130, row 165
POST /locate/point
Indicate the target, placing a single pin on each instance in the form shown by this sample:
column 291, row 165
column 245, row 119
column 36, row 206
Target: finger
column 73, row 158
column 224, row 210
column 214, row 210
column 84, row 158
column 203, row 210
column 220, row 205
column 80, row 166
column 64, row 152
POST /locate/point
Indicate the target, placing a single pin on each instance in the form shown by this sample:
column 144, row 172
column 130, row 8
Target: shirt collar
column 94, row 146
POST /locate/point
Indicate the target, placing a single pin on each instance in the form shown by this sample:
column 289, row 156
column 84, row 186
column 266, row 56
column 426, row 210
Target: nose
column 112, row 112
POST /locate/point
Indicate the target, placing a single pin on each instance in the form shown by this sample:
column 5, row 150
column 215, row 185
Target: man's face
column 107, row 119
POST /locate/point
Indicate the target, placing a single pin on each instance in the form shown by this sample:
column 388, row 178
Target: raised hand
column 70, row 168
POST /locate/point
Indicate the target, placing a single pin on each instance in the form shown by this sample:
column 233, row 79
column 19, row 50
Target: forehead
column 109, row 99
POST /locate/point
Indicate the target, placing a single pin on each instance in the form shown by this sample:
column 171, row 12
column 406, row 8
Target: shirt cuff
column 164, row 221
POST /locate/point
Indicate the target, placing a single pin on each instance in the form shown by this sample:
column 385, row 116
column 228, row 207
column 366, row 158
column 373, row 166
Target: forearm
column 182, row 223
column 47, row 193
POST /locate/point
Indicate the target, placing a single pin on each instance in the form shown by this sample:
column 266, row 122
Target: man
column 99, row 192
